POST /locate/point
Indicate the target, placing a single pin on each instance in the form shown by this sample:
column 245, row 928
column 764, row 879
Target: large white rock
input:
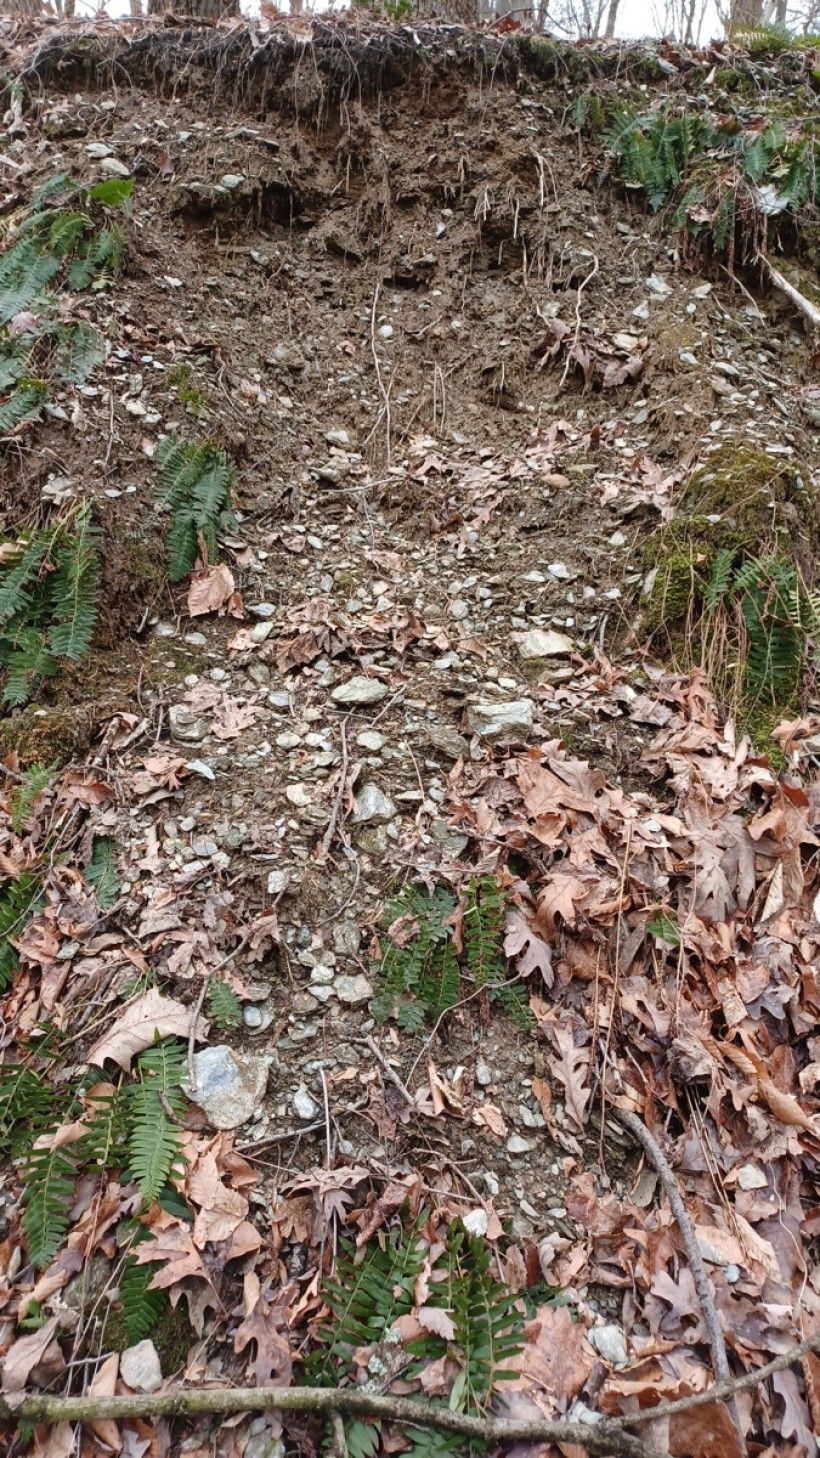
column 229, row 1085
column 360, row 690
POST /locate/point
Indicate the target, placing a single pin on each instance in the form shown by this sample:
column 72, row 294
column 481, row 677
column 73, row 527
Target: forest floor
column 422, row 661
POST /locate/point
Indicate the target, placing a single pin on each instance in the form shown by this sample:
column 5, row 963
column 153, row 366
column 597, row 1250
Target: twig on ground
column 729, row 1389
column 197, row 1009
column 327, row 838
column 703, row 1285
column 338, row 1441
column 778, row 281
column 391, row 1072
column 601, row 1438
column 576, row 336
column 385, row 393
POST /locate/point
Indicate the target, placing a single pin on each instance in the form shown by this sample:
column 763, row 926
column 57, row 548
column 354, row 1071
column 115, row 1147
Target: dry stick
column 385, row 394
column 723, row 1389
column 600, row 1438
column 327, row 838
column 391, row 1072
column 229, row 957
column 582, row 285
column 809, row 310
column 703, row 1286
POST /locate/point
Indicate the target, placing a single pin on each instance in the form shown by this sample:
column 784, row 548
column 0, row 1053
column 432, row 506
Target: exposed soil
column 346, row 275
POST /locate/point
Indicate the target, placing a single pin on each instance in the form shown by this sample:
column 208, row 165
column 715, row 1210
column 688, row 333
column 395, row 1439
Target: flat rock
column 373, row 806
column 186, row 726
column 229, row 1085
column 360, row 690
column 511, row 719
column 353, row 991
column 140, row 1367
column 543, row 643
column 304, row 1106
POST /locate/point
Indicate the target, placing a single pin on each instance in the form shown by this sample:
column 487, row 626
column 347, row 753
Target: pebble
column 370, row 739
column 476, row 1222
column 278, row 882
column 492, row 721
column 750, row 1177
column 338, row 438
column 373, row 806
column 185, row 725
column 229, row 1085
column 459, row 609
column 304, row 1106
column 658, row 286
column 559, row 570
column 609, row 1342
column 114, row 166
column 386, row 331
column 140, row 1367
column 360, row 690
column 516, row 1144
column 483, row 1074
column 353, row 991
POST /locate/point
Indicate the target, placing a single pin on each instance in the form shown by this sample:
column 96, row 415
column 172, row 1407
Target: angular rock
column 518, row 1145
column 229, row 1085
column 360, row 690
column 543, row 643
column 186, row 726
column 511, row 719
column 373, row 806
column 140, row 1367
column 353, row 991
column 304, row 1106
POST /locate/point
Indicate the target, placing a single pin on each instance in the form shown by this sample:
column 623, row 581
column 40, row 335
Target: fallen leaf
column 135, row 1029
column 104, row 1384
column 210, row 590
column 436, row 1320
column 24, row 1354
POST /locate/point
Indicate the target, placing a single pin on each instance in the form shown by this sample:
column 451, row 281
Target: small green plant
column 20, row 902
column 36, row 780
column 133, row 1127
column 195, row 484
column 49, row 591
column 223, row 1004
column 371, row 1289
column 421, row 969
column 101, row 871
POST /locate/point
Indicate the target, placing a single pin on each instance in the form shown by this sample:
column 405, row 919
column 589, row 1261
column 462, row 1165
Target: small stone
column 260, row 632
column 299, row 795
column 353, row 991
column 373, row 806
column 278, row 882
column 322, row 976
column 459, row 609
column 543, row 643
column 641, row 312
column 98, row 150
column 507, row 720
column 483, row 1074
column 253, row 1017
column 231, row 180
column 447, row 740
column 559, row 570
column 185, row 725
column 732, row 1273
column 750, row 1177
column 140, row 1367
column 618, row 539
column 116, row 168
column 370, row 739
column 609, row 1342
column 658, row 286
column 360, row 690
column 229, row 1085
column 386, row 331
column 304, row 1106
column 339, row 438
column 476, row 1222
column 516, row 1144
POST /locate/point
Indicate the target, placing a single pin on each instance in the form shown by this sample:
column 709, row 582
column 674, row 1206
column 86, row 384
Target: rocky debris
column 512, row 720
column 229, row 1085
column 304, row 1106
column 360, row 690
column 543, row 643
column 140, row 1367
column 186, row 726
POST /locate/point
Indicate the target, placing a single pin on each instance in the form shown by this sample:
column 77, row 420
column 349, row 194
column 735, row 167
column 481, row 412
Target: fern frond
column 47, row 1200
column 80, row 348
column 141, row 1307
column 223, row 1004
column 27, row 661
column 720, row 578
column 26, row 1105
column 103, row 1142
column 35, row 782
column 195, row 480
column 74, row 588
column 22, row 405
column 155, row 1101
column 101, row 871
column 20, row 901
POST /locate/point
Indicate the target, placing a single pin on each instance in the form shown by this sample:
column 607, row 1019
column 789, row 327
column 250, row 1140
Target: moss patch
column 48, row 736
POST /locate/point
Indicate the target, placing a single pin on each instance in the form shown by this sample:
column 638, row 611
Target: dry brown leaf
column 704, row 1432
column 104, row 1384
column 557, row 1359
column 220, row 1210
column 24, row 1354
column 489, row 1116
column 436, row 1320
column 134, row 1030
column 210, row 590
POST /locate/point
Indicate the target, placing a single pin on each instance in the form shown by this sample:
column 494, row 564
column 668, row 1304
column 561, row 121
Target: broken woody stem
column 604, row 1437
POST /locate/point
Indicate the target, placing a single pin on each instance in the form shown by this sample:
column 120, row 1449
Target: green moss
column 759, row 721
column 47, row 736
column 179, row 377
column 172, row 1335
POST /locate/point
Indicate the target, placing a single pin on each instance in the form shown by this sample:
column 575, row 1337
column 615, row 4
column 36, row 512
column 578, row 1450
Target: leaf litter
column 660, row 886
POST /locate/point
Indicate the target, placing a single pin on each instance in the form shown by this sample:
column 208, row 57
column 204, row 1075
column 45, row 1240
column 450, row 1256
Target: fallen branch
column 703, row 1285
column 598, row 1438
column 778, row 281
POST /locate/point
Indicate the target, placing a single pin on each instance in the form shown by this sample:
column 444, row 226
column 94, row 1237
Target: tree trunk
column 197, row 9
column 21, row 7
column 745, row 14
column 611, row 18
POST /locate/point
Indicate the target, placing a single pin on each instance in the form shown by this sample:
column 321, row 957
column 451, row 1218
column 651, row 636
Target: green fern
column 419, row 977
column 195, row 484
column 156, row 1102
column 74, row 588
column 103, row 1144
column 26, row 1108
column 35, row 782
column 22, row 405
column 720, row 578
column 101, row 871
column 47, row 1199
column 223, row 1004
column 141, row 1307
column 20, row 901
column 79, row 349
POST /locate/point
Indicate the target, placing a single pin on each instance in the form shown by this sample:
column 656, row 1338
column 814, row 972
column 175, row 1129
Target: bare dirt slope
column 350, row 259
